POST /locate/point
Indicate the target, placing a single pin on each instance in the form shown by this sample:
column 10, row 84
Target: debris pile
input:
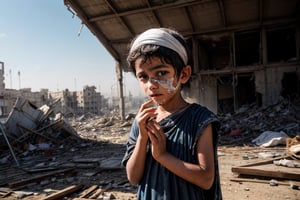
column 275, row 126
column 242, row 127
column 27, row 124
column 78, row 156
column 108, row 126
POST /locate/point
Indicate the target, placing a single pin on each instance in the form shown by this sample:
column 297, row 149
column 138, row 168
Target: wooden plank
column 258, row 181
column 86, row 160
column 266, row 161
column 97, row 193
column 5, row 192
column 39, row 134
column 88, row 191
column 62, row 193
column 38, row 178
column 39, row 170
column 268, row 169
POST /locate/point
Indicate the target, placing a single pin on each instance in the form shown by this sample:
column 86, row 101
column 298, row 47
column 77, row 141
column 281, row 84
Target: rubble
column 250, row 121
column 26, row 123
column 79, row 157
column 64, row 154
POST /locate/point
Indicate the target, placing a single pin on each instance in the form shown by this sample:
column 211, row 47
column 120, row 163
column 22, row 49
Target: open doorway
column 234, row 93
column 245, row 89
column 290, row 85
column 225, row 94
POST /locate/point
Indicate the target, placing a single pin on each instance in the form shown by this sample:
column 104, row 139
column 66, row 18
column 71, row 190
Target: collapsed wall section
column 258, row 66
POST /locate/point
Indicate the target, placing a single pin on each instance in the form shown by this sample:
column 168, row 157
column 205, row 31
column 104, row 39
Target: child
column 172, row 147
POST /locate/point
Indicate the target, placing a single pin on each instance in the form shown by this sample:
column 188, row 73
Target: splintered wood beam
column 258, row 181
column 39, row 134
column 97, row 193
column 88, row 191
column 38, row 178
column 64, row 192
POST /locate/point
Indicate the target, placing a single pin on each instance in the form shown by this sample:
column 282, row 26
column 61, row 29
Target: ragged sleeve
column 131, row 142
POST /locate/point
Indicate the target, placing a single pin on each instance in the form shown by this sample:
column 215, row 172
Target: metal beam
column 187, row 13
column 98, row 33
column 147, row 9
column 111, row 6
column 245, row 26
column 222, row 11
column 153, row 13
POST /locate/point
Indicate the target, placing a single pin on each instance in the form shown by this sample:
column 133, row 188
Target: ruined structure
column 244, row 52
column 86, row 100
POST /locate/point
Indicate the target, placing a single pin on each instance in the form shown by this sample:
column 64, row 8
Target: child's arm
column 136, row 163
column 201, row 174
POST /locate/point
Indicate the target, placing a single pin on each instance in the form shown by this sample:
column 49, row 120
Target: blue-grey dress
column 182, row 130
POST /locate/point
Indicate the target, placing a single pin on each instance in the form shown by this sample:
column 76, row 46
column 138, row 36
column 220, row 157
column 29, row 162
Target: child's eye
column 142, row 77
column 162, row 73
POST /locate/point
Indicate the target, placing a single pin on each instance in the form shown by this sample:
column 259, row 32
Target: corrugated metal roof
column 116, row 22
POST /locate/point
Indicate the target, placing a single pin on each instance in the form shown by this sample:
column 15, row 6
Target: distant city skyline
column 13, row 81
column 43, row 46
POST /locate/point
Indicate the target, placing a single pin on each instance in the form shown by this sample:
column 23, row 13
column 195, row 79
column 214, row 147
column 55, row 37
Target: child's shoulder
column 198, row 109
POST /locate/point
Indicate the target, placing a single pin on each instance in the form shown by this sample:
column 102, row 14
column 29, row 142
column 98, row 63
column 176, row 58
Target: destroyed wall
column 28, row 123
column 241, row 67
column 8, row 97
column 269, row 82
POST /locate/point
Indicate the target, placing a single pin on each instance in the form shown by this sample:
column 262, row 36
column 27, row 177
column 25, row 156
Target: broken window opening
column 225, row 94
column 281, row 45
column 290, row 86
column 214, row 55
column 244, row 93
column 247, row 48
column 245, row 88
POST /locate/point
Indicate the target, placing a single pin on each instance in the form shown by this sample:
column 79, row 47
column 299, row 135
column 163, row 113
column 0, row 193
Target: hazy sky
column 39, row 40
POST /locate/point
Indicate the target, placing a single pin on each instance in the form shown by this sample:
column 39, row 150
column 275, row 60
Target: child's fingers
column 146, row 104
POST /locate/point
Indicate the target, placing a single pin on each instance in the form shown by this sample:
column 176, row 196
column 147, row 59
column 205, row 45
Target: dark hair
column 167, row 55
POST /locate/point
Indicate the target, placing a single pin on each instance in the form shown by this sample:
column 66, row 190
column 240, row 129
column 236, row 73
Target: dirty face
column 157, row 79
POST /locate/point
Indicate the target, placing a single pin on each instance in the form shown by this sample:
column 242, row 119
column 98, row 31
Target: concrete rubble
column 54, row 152
column 245, row 125
column 82, row 154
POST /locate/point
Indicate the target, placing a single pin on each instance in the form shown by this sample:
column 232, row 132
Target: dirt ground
column 237, row 190
column 234, row 156
column 108, row 145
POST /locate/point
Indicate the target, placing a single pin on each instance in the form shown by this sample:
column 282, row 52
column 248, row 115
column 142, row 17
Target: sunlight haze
column 43, row 45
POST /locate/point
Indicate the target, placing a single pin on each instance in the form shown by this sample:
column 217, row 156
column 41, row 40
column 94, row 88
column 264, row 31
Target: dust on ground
column 92, row 164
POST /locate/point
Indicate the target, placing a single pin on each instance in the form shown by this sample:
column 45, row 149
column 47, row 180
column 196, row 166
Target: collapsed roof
column 116, row 22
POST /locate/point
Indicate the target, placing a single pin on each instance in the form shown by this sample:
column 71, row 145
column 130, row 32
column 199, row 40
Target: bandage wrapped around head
column 160, row 37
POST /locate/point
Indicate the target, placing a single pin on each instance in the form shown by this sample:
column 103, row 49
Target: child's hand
column 145, row 113
column 157, row 138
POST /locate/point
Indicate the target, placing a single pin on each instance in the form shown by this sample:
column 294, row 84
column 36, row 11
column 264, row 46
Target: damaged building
column 87, row 100
column 244, row 67
column 244, row 52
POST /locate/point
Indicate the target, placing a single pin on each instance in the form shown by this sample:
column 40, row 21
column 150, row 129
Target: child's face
column 157, row 79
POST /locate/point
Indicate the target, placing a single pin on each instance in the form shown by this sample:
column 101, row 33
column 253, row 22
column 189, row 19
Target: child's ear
column 185, row 74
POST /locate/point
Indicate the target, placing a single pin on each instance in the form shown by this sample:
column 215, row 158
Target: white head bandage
column 160, row 37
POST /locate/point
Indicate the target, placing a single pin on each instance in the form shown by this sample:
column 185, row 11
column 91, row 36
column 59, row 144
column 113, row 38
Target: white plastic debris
column 286, row 163
column 270, row 138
